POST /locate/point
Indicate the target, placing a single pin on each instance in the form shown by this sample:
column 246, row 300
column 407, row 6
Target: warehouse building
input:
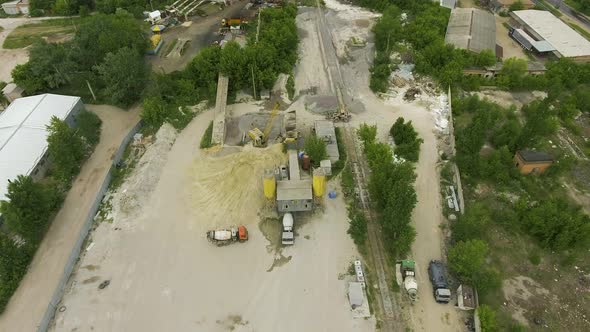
column 16, row 7
column 23, row 134
column 541, row 32
column 472, row 29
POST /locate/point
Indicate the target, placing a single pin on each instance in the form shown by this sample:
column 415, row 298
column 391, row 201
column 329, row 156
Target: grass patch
column 207, row 137
column 551, row 8
column 338, row 166
column 27, row 34
column 170, row 47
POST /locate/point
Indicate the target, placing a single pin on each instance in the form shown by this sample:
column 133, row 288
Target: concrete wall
column 10, row 8
column 294, row 205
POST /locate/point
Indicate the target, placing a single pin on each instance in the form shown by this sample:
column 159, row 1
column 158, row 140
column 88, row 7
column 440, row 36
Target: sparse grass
column 207, row 137
column 551, row 8
column 170, row 47
column 27, row 34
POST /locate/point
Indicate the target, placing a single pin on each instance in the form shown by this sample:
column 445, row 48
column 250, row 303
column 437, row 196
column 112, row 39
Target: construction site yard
column 149, row 249
column 165, row 275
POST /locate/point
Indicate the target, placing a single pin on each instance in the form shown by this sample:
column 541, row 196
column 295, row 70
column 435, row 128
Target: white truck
column 288, row 237
column 226, row 236
column 406, row 276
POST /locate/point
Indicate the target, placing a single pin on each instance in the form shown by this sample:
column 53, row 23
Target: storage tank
column 269, row 184
column 306, row 162
column 319, row 183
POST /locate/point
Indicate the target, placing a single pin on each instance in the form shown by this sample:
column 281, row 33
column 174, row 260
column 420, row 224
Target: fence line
column 75, row 254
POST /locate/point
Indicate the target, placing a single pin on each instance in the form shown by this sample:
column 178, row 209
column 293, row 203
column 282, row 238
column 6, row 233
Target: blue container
column 332, row 194
column 300, row 154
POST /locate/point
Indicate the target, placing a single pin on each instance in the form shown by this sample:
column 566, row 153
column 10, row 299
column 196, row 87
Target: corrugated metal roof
column 472, row 29
column 23, row 135
column 564, row 39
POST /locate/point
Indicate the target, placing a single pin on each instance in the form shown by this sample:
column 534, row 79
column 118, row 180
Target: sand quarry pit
column 165, row 276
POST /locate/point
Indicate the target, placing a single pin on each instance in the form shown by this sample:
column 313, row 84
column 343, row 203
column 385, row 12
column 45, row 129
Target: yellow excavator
column 259, row 138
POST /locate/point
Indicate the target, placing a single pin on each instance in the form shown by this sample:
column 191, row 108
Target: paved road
column 27, row 306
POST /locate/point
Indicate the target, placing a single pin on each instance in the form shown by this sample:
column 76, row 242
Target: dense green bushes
column 391, row 186
column 407, row 142
column 315, row 148
column 275, row 53
column 555, row 223
column 109, row 47
column 468, row 261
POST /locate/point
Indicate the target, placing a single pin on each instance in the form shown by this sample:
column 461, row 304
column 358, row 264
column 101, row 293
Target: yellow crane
column 259, row 137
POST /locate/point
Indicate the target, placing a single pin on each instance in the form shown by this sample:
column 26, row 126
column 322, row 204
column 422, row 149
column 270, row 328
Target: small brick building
column 535, row 162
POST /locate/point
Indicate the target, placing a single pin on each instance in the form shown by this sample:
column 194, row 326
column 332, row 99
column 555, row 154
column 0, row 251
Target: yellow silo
column 319, row 182
column 269, row 184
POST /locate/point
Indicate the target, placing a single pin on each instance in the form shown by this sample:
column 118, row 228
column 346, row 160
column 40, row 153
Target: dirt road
column 426, row 314
column 165, row 276
column 28, row 304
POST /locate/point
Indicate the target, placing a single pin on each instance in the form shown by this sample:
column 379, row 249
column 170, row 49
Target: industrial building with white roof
column 541, row 31
column 471, row 29
column 23, row 134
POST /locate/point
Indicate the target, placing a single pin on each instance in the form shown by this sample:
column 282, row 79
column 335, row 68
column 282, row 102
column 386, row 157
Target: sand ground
column 28, row 304
column 166, row 276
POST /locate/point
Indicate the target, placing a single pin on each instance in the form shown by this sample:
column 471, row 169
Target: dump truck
column 440, row 286
column 226, row 236
column 288, row 237
column 406, row 276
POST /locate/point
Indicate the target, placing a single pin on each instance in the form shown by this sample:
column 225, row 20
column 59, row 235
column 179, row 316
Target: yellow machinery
column 319, row 182
column 270, row 184
column 258, row 137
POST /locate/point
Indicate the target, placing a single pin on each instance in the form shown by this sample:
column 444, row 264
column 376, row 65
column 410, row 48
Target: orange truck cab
column 242, row 233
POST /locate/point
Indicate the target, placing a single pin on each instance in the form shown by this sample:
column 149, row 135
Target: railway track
column 387, row 307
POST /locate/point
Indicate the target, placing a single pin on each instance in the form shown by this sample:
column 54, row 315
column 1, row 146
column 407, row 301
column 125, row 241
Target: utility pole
column 258, row 26
column 90, row 88
column 253, row 82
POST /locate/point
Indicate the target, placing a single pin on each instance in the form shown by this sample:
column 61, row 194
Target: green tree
column 357, row 228
column 14, row 261
column 66, row 149
column 473, row 225
column 315, row 147
column 125, row 75
column 512, row 73
column 407, row 142
column 89, row 125
column 517, row 5
column 487, row 318
column 49, row 67
column 26, row 211
column 556, row 224
column 467, row 258
column 100, row 35
column 367, row 133
column 154, row 112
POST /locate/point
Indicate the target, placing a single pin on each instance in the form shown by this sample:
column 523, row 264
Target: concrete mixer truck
column 226, row 236
column 288, row 237
column 406, row 277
